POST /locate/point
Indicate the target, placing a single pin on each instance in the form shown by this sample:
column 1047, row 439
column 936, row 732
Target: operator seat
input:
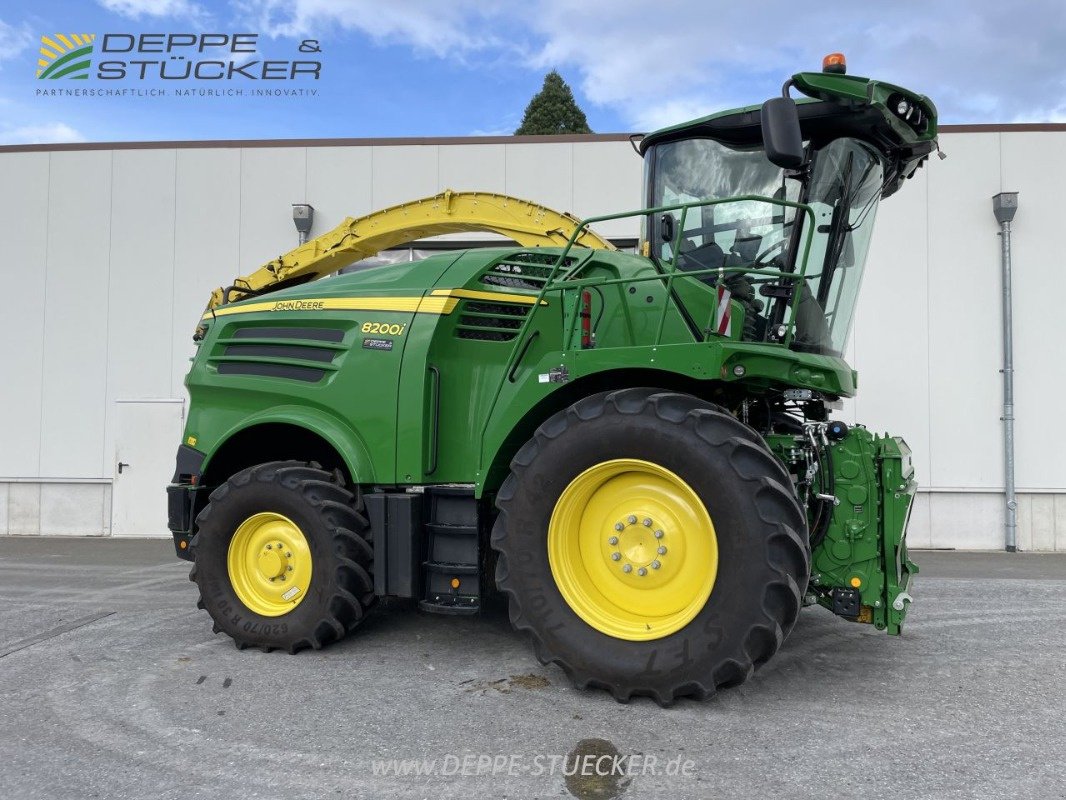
column 694, row 257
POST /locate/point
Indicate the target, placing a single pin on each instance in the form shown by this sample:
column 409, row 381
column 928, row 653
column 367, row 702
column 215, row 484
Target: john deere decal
column 65, row 56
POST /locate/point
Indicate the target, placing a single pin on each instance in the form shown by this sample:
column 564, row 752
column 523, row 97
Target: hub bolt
column 618, row 526
column 613, row 540
column 627, row 568
column 632, row 519
column 655, row 564
column 269, row 546
column 642, row 571
column 658, row 534
column 661, row 551
column 616, row 556
column 647, row 522
column 289, row 568
column 288, row 555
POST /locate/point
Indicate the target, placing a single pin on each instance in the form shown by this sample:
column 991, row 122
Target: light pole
column 1005, row 206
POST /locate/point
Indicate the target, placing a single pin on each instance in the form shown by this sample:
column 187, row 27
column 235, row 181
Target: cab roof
column 836, row 106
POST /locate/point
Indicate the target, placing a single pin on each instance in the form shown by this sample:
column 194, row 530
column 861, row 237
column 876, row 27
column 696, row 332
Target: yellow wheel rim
column 269, row 564
column 632, row 549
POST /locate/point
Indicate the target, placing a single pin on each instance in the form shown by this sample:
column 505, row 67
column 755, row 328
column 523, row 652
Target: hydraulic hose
column 827, row 484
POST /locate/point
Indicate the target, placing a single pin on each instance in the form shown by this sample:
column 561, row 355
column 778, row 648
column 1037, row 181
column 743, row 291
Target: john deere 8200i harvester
column 635, row 448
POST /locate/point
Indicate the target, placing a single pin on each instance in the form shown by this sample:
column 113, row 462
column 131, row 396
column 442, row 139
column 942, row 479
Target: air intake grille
column 311, row 334
column 300, row 354
column 524, row 271
column 265, row 370
column 490, row 322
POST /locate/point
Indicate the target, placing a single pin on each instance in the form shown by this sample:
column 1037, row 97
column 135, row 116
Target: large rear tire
column 651, row 544
column 282, row 557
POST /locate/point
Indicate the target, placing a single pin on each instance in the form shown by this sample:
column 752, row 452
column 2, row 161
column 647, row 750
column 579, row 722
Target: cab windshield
column 842, row 187
column 703, row 169
column 844, row 190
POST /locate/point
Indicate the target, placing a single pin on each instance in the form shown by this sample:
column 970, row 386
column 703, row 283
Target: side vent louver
column 299, row 354
column 490, row 322
column 524, row 271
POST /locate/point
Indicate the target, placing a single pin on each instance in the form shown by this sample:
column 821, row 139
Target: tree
column 553, row 110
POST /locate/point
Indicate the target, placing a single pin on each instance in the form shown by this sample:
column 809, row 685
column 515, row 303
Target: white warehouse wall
column 112, row 251
column 927, row 340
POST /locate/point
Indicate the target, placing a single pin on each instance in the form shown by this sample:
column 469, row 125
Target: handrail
column 551, row 285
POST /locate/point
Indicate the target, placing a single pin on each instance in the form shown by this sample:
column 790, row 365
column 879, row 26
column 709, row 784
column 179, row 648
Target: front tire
column 282, row 557
column 575, row 512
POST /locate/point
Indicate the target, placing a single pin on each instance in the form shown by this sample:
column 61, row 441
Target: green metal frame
column 569, row 283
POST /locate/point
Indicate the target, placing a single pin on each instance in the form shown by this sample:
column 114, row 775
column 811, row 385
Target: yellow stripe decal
column 54, row 45
column 499, row 297
column 77, row 39
column 65, row 41
column 418, row 305
column 440, row 301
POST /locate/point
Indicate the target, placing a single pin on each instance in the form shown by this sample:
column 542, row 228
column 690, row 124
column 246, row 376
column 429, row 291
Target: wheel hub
column 639, row 545
column 269, row 563
column 272, row 562
column 632, row 549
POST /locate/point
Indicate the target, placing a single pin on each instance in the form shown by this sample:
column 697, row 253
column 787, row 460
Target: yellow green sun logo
column 65, row 56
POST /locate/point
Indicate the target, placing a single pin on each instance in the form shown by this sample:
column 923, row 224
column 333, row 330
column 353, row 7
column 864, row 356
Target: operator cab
column 848, row 155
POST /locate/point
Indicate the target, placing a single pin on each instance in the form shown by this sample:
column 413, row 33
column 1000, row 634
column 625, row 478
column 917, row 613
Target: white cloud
column 14, row 41
column 441, row 28
column 46, row 133
column 491, row 131
column 652, row 116
column 135, row 9
column 504, row 129
column 980, row 60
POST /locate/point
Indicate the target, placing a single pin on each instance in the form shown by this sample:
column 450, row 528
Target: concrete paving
column 114, row 687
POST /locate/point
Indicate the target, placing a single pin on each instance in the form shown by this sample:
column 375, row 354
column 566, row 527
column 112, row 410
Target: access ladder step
column 451, row 569
column 450, row 529
column 447, row 568
column 454, row 604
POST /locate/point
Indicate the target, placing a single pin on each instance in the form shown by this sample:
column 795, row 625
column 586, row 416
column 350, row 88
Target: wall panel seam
column 107, row 325
column 44, row 311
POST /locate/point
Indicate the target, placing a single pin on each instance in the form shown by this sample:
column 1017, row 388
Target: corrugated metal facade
column 111, row 253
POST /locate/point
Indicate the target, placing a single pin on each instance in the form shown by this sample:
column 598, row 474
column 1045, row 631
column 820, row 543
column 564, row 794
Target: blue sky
column 432, row 68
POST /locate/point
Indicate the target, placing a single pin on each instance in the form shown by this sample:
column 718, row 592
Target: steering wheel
column 759, row 261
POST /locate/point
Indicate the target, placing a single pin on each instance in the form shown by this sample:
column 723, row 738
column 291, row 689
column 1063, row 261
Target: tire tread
column 786, row 553
column 341, row 511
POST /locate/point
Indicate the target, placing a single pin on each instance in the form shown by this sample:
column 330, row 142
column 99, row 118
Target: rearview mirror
column 781, row 136
column 666, row 228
